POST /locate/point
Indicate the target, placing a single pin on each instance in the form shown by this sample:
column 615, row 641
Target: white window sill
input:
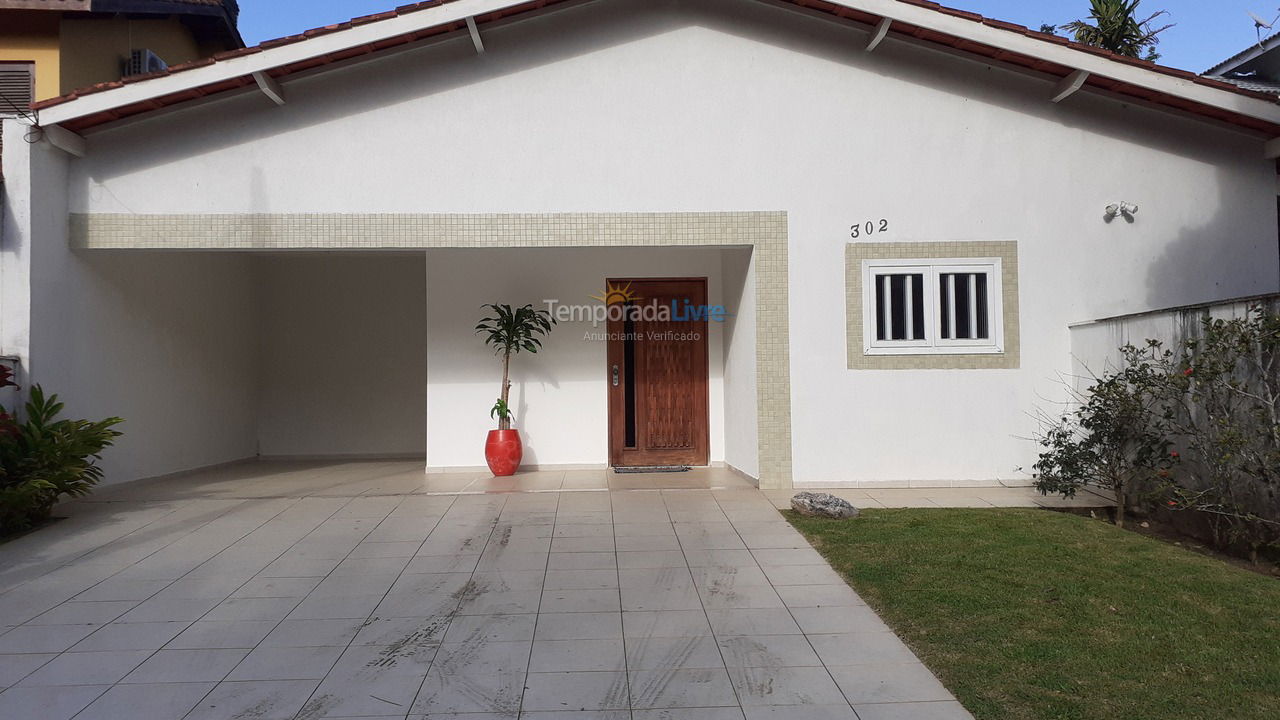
column 933, row 351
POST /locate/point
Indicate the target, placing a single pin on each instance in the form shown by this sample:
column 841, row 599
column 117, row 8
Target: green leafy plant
column 1115, row 25
column 510, row 331
column 1115, row 438
column 44, row 458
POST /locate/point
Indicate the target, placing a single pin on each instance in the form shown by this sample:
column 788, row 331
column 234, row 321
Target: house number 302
column 870, row 227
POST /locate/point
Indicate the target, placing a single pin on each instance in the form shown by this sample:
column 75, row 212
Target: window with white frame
column 944, row 306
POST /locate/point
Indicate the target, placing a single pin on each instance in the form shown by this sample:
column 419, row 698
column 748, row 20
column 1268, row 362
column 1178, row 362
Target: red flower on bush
column 1188, row 372
column 8, row 426
column 1174, row 455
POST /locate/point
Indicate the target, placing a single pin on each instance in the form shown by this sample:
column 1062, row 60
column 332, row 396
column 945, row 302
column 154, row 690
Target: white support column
column 15, row 263
column 475, row 35
column 881, row 32
column 1069, row 85
column 269, row 87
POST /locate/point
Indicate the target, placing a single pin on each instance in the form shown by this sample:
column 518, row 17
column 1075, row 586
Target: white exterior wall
column 559, row 395
column 344, row 366
column 741, row 426
column 631, row 106
column 15, row 259
column 164, row 340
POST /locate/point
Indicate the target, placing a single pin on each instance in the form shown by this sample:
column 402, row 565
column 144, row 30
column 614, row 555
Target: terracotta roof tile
column 373, row 18
column 1002, row 25
column 960, row 13
column 286, row 40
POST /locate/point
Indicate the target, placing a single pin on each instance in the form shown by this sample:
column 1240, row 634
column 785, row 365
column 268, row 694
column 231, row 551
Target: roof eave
column 919, row 18
column 1248, row 55
column 1191, row 87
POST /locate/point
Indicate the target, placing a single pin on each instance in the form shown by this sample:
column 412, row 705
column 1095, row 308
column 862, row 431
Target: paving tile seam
column 303, row 599
column 171, row 583
column 462, row 597
column 188, row 533
column 787, row 607
column 555, row 519
column 617, row 566
column 91, row 549
column 126, row 612
column 702, row 604
column 277, row 557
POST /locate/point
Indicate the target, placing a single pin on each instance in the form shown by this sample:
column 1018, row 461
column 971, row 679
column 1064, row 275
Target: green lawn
column 1035, row 614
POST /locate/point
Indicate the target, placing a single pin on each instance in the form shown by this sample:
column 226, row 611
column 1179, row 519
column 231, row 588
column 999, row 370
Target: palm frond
column 1114, row 25
column 511, row 330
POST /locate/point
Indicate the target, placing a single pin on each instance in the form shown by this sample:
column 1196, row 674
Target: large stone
column 823, row 505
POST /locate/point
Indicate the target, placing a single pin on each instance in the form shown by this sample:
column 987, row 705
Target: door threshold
column 652, row 469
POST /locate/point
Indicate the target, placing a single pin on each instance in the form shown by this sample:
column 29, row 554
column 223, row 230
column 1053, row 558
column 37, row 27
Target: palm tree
column 1115, row 26
column 510, row 331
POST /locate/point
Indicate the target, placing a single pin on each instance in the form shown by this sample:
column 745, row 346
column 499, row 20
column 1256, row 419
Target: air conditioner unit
column 143, row 62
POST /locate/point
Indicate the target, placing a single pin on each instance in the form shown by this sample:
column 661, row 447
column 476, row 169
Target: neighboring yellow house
column 51, row 47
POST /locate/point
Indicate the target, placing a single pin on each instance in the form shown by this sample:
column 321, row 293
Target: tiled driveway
column 365, row 591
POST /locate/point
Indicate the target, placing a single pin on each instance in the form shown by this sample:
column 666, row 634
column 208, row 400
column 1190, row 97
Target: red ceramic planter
column 503, row 452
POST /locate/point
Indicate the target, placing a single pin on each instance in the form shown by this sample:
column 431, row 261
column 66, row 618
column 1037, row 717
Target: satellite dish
column 1260, row 25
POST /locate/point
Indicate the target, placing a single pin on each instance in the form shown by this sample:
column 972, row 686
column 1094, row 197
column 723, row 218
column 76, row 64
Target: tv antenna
column 1259, row 24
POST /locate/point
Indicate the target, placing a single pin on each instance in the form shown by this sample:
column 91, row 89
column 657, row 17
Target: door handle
column 615, row 376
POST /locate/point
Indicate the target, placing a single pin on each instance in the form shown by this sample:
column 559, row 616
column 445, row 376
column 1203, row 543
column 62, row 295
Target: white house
column 899, row 207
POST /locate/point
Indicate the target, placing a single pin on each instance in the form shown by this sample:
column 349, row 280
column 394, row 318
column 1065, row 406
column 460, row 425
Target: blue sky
column 1207, row 31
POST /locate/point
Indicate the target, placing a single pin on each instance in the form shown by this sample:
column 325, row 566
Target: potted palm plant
column 509, row 331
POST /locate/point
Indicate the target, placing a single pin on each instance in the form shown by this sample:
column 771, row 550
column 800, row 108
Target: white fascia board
column 270, row 58
column 1069, row 57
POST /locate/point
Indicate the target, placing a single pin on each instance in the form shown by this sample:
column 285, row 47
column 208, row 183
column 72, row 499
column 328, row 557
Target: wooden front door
column 657, row 374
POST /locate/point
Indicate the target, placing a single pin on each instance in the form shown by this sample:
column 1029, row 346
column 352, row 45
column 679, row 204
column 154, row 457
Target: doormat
column 653, row 469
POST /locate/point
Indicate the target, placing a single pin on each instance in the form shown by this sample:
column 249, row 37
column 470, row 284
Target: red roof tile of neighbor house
column 87, row 5
column 44, row 4
column 899, row 28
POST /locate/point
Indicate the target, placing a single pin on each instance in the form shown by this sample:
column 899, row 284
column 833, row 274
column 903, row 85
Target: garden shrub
column 1115, row 438
column 1195, row 427
column 44, row 458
